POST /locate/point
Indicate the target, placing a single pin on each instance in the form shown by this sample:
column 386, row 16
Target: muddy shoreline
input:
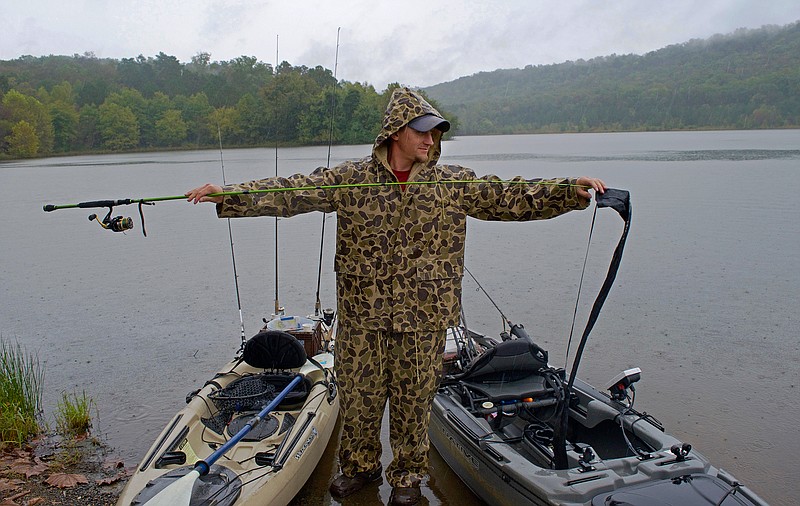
column 53, row 471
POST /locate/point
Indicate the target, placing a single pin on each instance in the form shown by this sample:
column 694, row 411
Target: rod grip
column 99, row 203
column 48, row 208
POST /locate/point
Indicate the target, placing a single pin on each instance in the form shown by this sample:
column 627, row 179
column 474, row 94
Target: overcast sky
column 414, row 42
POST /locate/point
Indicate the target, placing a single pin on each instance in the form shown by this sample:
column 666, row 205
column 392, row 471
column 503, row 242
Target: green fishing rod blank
column 124, row 202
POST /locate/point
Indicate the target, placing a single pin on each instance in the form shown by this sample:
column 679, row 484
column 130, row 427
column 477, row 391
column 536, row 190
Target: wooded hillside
column 80, row 103
column 747, row 79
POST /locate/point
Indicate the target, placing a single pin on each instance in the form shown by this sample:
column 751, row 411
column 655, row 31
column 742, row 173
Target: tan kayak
column 278, row 454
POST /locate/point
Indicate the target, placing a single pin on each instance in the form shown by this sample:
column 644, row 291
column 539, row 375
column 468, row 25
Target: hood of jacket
column 404, row 106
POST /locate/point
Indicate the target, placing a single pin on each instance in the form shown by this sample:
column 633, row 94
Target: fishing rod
column 278, row 309
column 126, row 223
column 506, row 321
column 516, row 329
column 318, row 303
column 230, row 236
column 129, row 201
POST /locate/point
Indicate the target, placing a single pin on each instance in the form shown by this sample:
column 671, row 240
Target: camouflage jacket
column 400, row 253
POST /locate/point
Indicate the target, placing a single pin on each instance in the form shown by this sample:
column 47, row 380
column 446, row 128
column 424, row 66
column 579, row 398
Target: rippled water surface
column 705, row 301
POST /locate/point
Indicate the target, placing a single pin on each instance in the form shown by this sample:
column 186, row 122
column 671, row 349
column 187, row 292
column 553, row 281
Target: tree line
column 61, row 104
column 81, row 103
column 746, row 79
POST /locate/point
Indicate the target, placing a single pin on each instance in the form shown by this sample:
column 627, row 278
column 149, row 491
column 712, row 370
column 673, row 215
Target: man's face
column 413, row 145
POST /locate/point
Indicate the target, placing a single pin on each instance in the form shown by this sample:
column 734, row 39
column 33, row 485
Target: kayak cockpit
column 512, row 388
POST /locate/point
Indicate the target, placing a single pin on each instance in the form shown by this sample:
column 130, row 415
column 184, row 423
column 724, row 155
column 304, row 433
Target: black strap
column 620, row 201
column 141, row 213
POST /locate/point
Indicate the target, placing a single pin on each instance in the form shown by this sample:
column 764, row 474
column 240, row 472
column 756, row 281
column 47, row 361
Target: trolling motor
column 115, row 224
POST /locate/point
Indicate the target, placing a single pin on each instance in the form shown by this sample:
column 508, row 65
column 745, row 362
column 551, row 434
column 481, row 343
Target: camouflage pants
column 375, row 366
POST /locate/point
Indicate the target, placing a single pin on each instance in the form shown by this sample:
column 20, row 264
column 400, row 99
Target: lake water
column 705, row 302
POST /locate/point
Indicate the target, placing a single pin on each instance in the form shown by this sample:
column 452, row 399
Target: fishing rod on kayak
column 278, row 310
column 516, row 329
column 506, row 321
column 318, row 303
column 230, row 236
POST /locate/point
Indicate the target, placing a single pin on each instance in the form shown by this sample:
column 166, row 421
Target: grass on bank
column 21, row 382
column 73, row 415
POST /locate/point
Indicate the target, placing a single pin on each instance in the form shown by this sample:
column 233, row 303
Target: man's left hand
column 584, row 184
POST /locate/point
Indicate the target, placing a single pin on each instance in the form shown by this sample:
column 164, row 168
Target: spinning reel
column 119, row 223
column 115, row 224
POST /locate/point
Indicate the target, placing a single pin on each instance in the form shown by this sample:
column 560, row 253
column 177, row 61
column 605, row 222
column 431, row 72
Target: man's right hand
column 201, row 194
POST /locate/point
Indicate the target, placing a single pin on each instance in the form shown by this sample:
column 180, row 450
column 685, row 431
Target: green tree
column 252, row 120
column 23, row 141
column 133, row 100
column 151, row 111
column 20, row 107
column 65, row 126
column 766, row 117
column 361, row 119
column 225, row 122
column 287, row 96
column 201, row 60
column 314, row 121
column 168, row 73
column 87, row 136
column 118, row 127
column 63, row 93
column 171, row 129
column 195, row 111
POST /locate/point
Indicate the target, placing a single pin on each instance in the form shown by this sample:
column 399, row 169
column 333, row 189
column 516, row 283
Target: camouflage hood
column 404, row 106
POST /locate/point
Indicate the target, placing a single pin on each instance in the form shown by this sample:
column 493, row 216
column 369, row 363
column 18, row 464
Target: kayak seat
column 278, row 351
column 274, row 349
column 509, row 371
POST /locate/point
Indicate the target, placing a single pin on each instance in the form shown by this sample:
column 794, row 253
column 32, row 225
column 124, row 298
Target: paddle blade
column 177, row 494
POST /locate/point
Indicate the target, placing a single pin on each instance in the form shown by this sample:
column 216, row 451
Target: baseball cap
column 429, row 121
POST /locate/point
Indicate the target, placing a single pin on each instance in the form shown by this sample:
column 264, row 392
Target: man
column 399, row 263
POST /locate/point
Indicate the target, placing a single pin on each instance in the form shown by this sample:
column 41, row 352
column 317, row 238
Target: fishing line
column 230, row 236
column 580, row 286
column 317, row 303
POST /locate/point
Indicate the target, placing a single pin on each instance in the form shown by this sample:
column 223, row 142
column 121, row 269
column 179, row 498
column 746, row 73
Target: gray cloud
column 418, row 42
